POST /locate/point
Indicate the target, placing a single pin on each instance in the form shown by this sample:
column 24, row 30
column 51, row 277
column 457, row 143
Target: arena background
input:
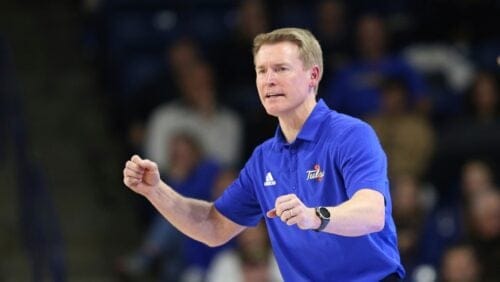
column 79, row 80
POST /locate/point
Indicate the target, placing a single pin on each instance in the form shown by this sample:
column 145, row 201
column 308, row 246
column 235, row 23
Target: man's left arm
column 362, row 214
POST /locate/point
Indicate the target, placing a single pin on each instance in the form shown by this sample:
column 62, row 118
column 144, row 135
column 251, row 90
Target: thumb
column 149, row 165
column 271, row 213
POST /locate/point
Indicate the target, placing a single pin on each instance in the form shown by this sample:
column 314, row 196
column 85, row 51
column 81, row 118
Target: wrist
column 316, row 221
column 154, row 191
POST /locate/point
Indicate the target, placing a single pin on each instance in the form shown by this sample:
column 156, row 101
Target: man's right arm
column 196, row 218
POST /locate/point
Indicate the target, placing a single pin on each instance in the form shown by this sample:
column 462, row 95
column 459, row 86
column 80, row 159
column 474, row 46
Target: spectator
column 251, row 260
column 484, row 230
column 331, row 30
column 483, row 101
column 217, row 128
column 179, row 56
column 250, row 19
column 477, row 176
column 460, row 263
column 407, row 137
column 450, row 221
column 181, row 258
column 237, row 80
column 410, row 212
column 475, row 134
column 355, row 88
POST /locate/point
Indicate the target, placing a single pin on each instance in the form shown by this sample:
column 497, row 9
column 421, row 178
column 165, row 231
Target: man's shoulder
column 265, row 146
column 339, row 124
column 262, row 151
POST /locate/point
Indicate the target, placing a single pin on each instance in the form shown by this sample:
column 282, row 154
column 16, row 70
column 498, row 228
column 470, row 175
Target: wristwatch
column 324, row 216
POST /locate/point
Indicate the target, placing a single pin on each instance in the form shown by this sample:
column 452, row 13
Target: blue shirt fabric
column 332, row 158
column 356, row 88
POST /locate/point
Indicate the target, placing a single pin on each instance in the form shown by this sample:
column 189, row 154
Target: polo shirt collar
column 311, row 127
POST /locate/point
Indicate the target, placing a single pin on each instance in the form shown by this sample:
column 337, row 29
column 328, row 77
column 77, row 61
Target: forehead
column 275, row 53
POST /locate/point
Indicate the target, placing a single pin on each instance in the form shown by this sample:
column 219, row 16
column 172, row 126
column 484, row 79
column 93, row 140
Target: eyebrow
column 274, row 65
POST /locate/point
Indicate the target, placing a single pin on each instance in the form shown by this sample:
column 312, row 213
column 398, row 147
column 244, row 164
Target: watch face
column 324, row 212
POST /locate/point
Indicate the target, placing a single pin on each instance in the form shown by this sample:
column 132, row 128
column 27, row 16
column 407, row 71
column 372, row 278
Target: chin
column 273, row 110
column 274, row 114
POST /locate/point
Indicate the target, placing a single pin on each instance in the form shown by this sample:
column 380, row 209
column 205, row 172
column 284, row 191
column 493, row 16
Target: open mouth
column 274, row 95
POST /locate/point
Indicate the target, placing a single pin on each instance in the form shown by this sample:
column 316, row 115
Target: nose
column 270, row 77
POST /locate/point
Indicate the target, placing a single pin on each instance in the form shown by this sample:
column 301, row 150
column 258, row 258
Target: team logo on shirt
column 315, row 173
column 269, row 180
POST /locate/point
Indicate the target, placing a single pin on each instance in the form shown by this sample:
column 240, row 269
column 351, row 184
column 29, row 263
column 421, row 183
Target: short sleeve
column 362, row 161
column 239, row 202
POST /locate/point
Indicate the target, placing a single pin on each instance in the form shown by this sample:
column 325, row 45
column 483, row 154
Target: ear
column 315, row 72
column 315, row 75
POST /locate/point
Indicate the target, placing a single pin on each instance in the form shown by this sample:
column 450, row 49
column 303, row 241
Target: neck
column 292, row 123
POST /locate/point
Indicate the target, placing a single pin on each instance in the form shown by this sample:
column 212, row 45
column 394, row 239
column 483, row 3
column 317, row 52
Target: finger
column 271, row 213
column 294, row 216
column 130, row 181
column 149, row 165
column 281, row 208
column 136, row 159
column 286, row 215
column 133, row 166
column 278, row 204
column 293, row 220
column 284, row 198
column 131, row 173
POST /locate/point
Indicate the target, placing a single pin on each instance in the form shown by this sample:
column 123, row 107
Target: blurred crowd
column 180, row 86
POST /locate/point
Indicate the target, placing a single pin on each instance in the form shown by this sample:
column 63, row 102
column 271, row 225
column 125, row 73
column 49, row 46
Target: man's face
column 282, row 82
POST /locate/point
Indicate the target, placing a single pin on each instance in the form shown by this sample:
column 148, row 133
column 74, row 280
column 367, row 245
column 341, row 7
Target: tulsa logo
column 315, row 173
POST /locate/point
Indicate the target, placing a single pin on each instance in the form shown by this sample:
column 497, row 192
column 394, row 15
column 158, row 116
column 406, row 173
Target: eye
column 281, row 69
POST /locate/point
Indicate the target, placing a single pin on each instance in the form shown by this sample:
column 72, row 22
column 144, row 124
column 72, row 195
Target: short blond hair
column 309, row 49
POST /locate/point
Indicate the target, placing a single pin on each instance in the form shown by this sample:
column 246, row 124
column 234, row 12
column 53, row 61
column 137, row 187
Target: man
column 320, row 182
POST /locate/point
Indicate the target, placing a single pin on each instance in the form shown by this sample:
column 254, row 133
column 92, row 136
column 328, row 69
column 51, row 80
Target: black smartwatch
column 324, row 216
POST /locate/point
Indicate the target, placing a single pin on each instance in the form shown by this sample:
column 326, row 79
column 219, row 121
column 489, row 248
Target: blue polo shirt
column 333, row 156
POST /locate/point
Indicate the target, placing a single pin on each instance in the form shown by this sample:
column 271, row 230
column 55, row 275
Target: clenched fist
column 141, row 175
